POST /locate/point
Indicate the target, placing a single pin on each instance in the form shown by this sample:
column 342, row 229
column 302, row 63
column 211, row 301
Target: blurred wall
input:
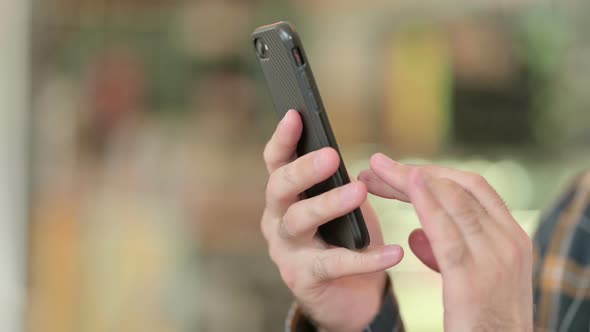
column 14, row 32
column 150, row 117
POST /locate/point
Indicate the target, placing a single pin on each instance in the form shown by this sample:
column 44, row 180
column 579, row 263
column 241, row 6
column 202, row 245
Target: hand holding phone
column 340, row 289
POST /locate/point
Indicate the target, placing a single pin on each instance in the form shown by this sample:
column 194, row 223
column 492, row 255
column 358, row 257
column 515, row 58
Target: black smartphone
column 291, row 84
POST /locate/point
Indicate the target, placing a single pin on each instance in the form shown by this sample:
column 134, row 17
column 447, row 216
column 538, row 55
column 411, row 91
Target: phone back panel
column 292, row 86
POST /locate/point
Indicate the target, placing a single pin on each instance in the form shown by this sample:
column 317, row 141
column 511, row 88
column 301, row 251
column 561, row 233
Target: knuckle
column 322, row 204
column 289, row 175
column 360, row 260
column 321, row 266
column 464, row 210
column 419, row 171
column 271, row 188
column 284, row 228
column 440, row 215
column 515, row 254
column 470, row 220
column 478, row 182
column 277, row 182
column 267, row 153
column 455, row 255
column 274, row 255
column 318, row 269
column 270, row 158
column 292, row 225
column 457, row 198
column 265, row 225
column 264, row 229
column 314, row 210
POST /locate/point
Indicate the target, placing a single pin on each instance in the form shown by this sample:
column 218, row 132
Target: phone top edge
column 285, row 29
column 281, row 24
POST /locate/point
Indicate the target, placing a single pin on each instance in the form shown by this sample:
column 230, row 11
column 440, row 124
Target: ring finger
column 302, row 219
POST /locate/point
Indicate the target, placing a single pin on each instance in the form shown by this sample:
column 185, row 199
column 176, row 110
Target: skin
column 467, row 234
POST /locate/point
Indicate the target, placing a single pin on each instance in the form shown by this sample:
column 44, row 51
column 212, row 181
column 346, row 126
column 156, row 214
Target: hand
column 340, row 289
column 484, row 256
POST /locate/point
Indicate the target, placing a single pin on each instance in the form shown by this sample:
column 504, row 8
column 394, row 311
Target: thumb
column 421, row 248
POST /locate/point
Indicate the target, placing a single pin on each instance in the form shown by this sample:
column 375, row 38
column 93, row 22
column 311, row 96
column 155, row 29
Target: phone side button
column 316, row 105
column 305, row 80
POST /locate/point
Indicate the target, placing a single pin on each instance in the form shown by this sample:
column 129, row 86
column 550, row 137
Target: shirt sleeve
column 387, row 320
column 561, row 275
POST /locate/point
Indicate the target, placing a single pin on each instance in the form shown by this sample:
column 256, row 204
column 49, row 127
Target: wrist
column 370, row 310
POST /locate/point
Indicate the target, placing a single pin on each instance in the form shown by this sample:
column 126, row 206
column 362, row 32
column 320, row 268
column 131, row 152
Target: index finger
column 282, row 146
column 396, row 175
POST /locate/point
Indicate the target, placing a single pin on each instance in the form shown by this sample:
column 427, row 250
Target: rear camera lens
column 261, row 48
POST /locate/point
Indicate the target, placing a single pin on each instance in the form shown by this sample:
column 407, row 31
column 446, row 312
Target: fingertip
column 361, row 189
column 379, row 160
column 364, row 187
column 391, row 254
column 291, row 122
column 420, row 246
column 365, row 176
column 330, row 159
column 418, row 236
column 417, row 240
column 353, row 194
column 331, row 152
column 375, row 159
column 290, row 115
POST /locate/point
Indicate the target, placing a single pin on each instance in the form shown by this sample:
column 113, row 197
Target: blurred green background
column 148, row 120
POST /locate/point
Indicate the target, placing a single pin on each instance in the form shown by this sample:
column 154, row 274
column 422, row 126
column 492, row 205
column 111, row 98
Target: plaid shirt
column 562, row 262
column 561, row 276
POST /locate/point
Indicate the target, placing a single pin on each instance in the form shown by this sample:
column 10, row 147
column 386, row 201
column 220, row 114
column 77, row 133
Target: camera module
column 261, row 48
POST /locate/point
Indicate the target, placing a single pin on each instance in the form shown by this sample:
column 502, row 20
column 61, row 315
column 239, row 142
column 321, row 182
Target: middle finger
column 303, row 218
column 288, row 182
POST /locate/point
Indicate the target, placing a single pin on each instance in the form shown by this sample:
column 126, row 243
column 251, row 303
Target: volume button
column 308, row 91
column 316, row 105
column 305, row 79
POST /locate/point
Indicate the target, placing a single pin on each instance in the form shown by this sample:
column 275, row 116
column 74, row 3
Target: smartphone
column 290, row 81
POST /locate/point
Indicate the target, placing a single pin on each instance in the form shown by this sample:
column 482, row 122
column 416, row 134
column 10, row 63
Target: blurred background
column 132, row 137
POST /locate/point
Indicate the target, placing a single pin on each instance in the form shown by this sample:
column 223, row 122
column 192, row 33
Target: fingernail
column 391, row 253
column 363, row 177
